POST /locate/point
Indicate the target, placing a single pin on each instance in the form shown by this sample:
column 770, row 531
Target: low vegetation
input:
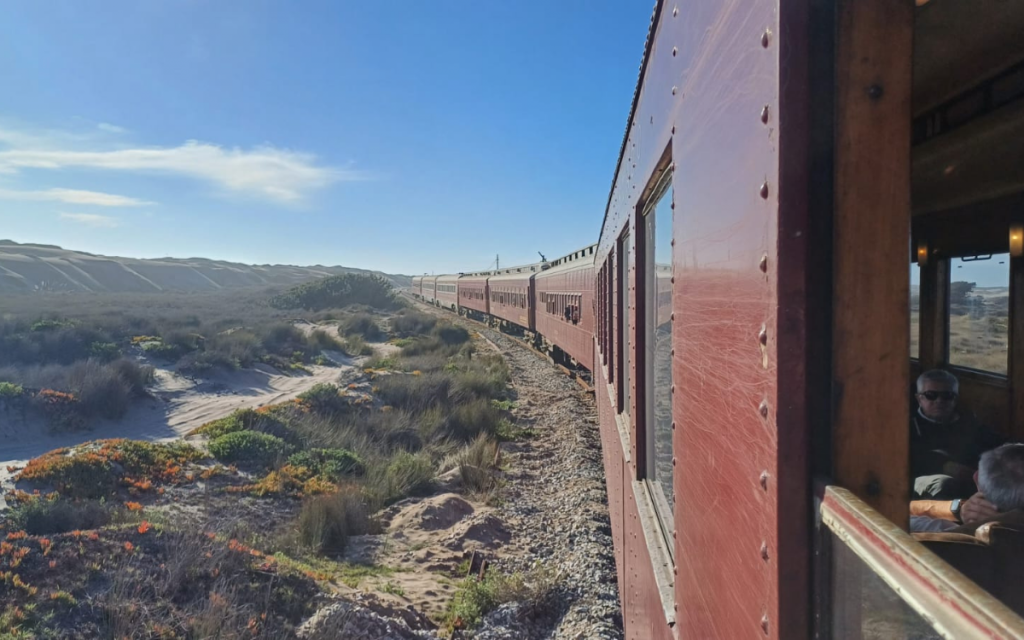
column 325, row 464
column 339, row 291
column 79, row 358
column 476, row 598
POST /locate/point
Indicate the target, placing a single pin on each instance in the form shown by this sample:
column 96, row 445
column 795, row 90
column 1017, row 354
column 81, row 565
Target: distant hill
column 30, row 268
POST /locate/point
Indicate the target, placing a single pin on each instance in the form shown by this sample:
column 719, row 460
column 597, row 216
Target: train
column 749, row 326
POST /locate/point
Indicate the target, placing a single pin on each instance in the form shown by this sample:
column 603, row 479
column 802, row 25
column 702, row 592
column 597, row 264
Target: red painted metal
column 511, row 295
column 706, row 81
column 569, row 283
column 473, row 292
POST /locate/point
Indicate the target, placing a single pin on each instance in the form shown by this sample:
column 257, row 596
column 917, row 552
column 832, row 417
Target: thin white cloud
column 276, row 174
column 90, row 219
column 110, row 128
column 73, row 196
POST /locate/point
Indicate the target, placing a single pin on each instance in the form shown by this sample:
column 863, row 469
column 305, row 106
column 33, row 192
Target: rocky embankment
column 550, row 523
column 556, row 507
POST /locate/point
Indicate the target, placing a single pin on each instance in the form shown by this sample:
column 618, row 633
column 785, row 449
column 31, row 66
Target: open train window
column 979, row 310
column 657, row 265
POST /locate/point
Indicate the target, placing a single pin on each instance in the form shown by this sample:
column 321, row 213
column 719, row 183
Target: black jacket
column 932, row 444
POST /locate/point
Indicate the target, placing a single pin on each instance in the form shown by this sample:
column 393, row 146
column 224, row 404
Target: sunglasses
column 935, row 395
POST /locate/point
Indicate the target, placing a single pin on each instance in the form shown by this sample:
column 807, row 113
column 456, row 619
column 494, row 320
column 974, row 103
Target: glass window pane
column 979, row 310
column 626, row 324
column 915, row 310
column 864, row 607
column 658, row 428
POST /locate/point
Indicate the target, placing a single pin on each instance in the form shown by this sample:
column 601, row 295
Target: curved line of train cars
column 745, row 313
column 551, row 303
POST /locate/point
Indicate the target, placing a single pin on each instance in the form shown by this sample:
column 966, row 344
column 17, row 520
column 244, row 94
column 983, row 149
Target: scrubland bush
column 333, row 464
column 410, row 322
column 251, row 448
column 327, row 522
column 402, row 475
column 476, row 464
column 339, row 291
column 451, row 334
column 9, row 391
column 101, row 390
column 361, row 324
column 468, row 420
column 355, row 346
column 414, row 393
column 138, row 376
column 43, row 516
column 324, row 399
column 476, row 598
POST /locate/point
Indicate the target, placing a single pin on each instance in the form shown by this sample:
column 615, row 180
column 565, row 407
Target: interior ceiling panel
column 958, row 43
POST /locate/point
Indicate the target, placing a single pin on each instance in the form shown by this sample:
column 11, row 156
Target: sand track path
column 176, row 406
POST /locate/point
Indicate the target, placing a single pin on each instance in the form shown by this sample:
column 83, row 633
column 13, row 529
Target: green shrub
column 138, row 457
column 320, row 340
column 324, row 399
column 163, row 350
column 356, row 346
column 231, row 350
column 411, row 323
column 362, row 324
column 466, row 421
column 476, row 463
column 79, row 475
column 333, row 464
column 414, row 393
column 105, row 351
column 476, row 598
column 52, row 325
column 404, row 474
column 451, row 334
column 326, row 522
column 9, row 390
column 339, row 291
column 250, row 448
column 43, row 516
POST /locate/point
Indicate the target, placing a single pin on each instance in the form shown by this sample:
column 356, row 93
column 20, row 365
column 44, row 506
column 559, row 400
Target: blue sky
column 410, row 137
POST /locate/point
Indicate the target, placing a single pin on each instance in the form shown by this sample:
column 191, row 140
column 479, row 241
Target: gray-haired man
column 945, row 442
column 1000, row 479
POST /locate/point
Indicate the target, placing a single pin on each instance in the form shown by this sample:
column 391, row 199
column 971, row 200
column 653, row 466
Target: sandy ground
column 176, row 406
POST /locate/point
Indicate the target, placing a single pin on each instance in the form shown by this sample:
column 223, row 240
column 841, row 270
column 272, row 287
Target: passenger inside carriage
column 1000, row 484
column 946, row 441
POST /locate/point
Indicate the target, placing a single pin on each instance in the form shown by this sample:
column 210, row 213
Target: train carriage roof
column 524, row 272
column 579, row 259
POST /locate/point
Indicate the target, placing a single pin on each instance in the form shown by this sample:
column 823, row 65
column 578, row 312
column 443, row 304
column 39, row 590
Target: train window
column 625, row 333
column 979, row 310
column 657, row 266
column 915, row 310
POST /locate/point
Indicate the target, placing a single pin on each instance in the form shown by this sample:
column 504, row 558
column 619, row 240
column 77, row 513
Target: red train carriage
column 473, row 296
column 753, row 312
column 511, row 296
column 429, row 292
column 564, row 305
column 446, row 289
column 752, row 307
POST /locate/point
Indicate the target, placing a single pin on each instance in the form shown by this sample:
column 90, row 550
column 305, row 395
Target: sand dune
column 176, row 407
column 31, row 267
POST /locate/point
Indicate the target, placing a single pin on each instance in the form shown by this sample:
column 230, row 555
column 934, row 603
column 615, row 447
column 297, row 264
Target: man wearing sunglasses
column 945, row 442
